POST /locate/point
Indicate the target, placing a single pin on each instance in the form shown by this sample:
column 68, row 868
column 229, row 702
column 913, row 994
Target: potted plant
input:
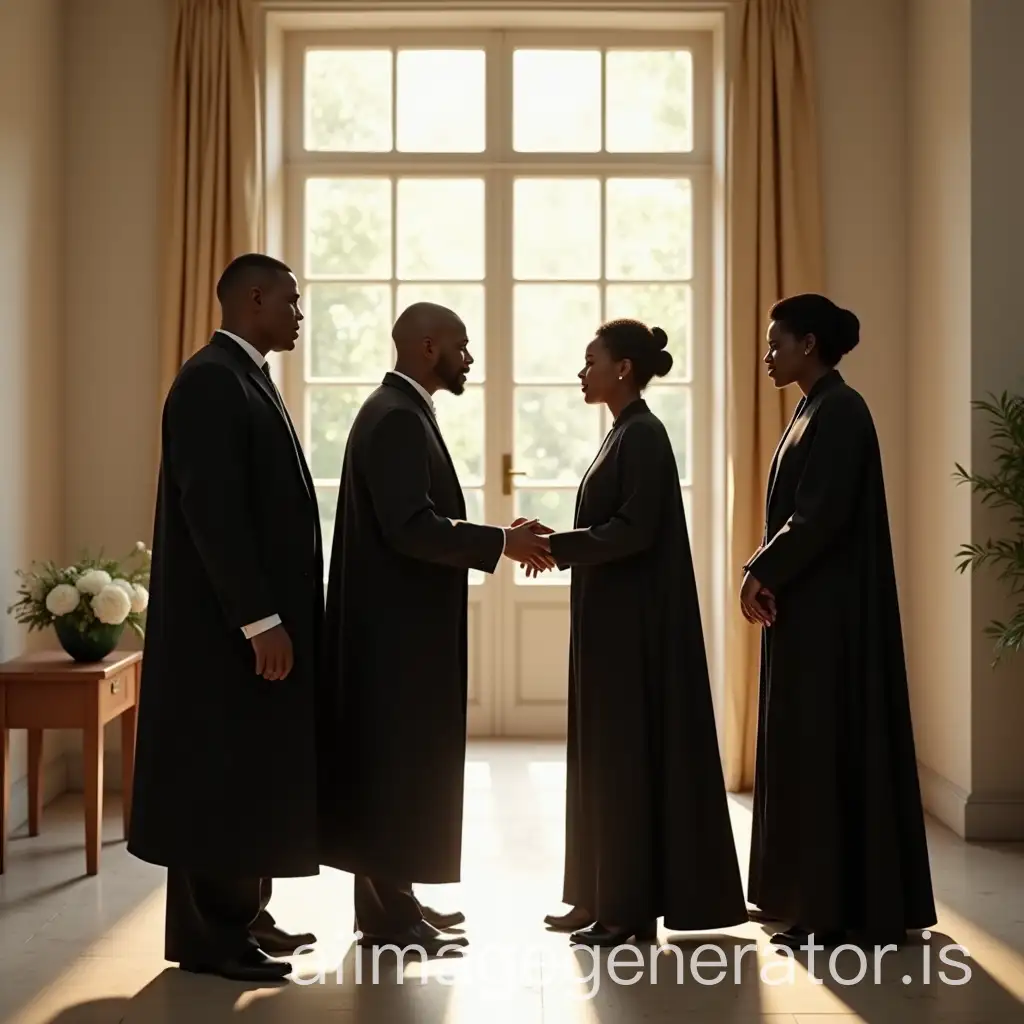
column 89, row 604
column 1002, row 488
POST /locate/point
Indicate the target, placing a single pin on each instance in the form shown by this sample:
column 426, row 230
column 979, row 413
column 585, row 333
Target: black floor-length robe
column 838, row 838
column 236, row 540
column 393, row 699
column 648, row 833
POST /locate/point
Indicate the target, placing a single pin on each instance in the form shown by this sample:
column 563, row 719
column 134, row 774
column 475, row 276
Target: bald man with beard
column 393, row 686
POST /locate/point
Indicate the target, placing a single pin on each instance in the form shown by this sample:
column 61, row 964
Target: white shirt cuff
column 504, row 539
column 255, row 628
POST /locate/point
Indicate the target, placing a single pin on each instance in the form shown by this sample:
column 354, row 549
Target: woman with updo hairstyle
column 647, row 819
column 838, row 840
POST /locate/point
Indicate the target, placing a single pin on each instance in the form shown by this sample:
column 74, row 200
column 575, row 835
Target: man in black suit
column 393, row 687
column 232, row 643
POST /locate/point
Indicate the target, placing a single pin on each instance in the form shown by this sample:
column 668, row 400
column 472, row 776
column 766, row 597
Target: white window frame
column 702, row 29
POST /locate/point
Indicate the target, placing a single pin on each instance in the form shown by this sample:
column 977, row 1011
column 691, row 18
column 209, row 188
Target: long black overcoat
column 394, row 687
column 236, row 540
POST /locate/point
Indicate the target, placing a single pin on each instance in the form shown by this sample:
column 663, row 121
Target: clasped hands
column 526, row 542
column 756, row 602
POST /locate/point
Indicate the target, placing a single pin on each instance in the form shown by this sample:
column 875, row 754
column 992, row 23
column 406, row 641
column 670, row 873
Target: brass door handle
column 507, row 472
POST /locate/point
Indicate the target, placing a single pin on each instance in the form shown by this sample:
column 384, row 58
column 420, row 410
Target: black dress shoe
column 251, row 966
column 578, row 917
column 599, row 935
column 440, row 920
column 419, row 936
column 277, row 942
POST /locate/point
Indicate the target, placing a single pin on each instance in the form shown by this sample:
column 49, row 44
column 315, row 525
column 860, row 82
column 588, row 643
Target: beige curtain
column 775, row 249
column 214, row 190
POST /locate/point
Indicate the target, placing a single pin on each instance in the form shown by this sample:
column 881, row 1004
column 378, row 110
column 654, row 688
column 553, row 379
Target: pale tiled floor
column 79, row 950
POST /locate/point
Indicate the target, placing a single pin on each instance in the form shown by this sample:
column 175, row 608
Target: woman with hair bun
column 838, row 845
column 648, row 833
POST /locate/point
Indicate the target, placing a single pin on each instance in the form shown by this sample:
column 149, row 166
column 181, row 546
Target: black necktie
column 273, row 387
column 279, row 401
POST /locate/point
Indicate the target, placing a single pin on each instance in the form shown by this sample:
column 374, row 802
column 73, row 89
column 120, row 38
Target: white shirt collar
column 257, row 357
column 419, row 387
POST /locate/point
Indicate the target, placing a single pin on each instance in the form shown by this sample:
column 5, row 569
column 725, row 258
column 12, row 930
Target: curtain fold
column 776, row 248
column 213, row 159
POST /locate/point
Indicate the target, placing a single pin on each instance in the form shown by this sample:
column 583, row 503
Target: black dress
column 648, row 833
column 838, row 832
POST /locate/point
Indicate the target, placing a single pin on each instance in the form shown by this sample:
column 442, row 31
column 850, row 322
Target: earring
column 620, row 376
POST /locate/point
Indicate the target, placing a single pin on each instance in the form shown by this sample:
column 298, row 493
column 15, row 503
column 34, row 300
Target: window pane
column 465, row 299
column 649, row 101
column 461, row 419
column 349, row 330
column 327, row 505
column 475, row 514
column 332, row 408
column 557, row 228
column 649, row 229
column 474, row 505
column 348, row 100
column 557, row 434
column 688, row 511
column 348, row 227
column 671, row 404
column 668, row 306
column 553, row 508
column 441, row 229
column 556, row 101
column 554, row 323
column 441, row 101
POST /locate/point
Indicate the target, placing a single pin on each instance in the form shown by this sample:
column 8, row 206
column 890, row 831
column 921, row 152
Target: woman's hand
column 756, row 603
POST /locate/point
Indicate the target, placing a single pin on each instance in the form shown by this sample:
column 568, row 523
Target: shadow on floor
column 943, row 985
column 930, row 977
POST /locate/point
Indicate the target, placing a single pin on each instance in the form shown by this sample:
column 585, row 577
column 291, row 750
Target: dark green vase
column 93, row 645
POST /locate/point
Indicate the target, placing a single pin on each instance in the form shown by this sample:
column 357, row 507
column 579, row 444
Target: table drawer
column 40, row 705
column 117, row 694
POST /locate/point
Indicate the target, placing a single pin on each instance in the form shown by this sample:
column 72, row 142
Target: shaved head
column 432, row 347
column 422, row 320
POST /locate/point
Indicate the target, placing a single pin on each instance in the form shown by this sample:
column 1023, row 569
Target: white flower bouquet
column 89, row 604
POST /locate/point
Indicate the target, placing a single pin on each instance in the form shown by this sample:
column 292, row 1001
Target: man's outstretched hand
column 540, row 532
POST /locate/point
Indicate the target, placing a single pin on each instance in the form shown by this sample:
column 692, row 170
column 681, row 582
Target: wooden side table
column 48, row 690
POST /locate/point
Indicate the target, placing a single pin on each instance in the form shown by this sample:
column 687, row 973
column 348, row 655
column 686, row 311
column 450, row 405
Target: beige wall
column 863, row 142
column 115, row 81
column 32, row 405
column 997, row 362
column 966, row 222
column 939, row 195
